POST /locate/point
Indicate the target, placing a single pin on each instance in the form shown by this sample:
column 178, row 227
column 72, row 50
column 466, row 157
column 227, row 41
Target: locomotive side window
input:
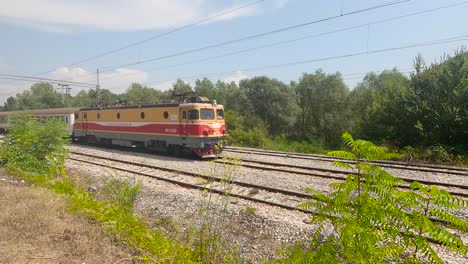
column 220, row 114
column 207, row 114
column 193, row 114
column 77, row 116
column 184, row 115
column 118, row 115
column 85, row 116
column 142, row 115
column 99, row 116
column 166, row 115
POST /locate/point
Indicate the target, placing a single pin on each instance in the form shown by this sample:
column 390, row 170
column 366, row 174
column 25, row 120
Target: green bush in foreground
column 34, row 146
column 369, row 220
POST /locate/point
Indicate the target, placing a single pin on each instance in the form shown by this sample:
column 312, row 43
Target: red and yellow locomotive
column 195, row 126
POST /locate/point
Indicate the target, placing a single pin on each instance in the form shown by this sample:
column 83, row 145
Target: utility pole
column 98, row 92
column 65, row 91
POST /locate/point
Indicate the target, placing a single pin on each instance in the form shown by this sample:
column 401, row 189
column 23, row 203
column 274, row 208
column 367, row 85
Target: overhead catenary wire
column 282, row 65
column 110, row 68
column 116, row 75
column 157, row 36
column 47, row 80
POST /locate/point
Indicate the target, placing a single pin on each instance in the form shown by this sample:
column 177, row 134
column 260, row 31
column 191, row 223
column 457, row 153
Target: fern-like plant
column 368, row 219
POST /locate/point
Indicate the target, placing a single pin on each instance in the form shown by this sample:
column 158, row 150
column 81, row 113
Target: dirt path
column 36, row 228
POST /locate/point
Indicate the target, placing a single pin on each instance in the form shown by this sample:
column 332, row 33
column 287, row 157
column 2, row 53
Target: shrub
column 35, row 146
column 368, row 219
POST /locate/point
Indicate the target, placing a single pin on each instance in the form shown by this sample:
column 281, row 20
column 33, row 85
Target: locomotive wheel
column 174, row 150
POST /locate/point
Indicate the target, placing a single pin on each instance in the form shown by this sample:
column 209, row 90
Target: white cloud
column 248, row 11
column 236, row 77
column 116, row 81
column 122, row 15
column 11, row 88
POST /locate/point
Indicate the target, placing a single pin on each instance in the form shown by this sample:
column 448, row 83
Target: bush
column 436, row 154
column 368, row 219
column 35, row 146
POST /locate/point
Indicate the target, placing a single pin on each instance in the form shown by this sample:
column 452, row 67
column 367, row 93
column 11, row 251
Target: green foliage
column 270, row 100
column 180, row 87
column 35, row 146
column 322, row 99
column 437, row 154
column 206, row 88
column 41, row 95
column 368, row 219
column 210, row 245
column 138, row 94
column 429, row 108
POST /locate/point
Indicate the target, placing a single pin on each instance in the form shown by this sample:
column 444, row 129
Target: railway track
column 387, row 164
column 333, row 174
column 176, row 179
column 461, row 190
column 180, row 177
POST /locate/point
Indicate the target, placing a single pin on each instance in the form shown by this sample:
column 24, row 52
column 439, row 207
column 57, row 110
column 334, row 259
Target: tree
column 271, row 100
column 206, row 88
column 322, row 100
column 228, row 94
column 441, row 90
column 180, row 87
column 83, row 99
column 381, row 106
column 10, row 104
column 40, row 96
column 138, row 94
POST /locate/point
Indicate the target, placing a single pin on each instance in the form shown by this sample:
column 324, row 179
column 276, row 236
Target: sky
column 52, row 38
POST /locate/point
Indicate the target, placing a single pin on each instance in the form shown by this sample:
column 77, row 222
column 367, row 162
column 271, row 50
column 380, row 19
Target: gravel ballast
column 257, row 230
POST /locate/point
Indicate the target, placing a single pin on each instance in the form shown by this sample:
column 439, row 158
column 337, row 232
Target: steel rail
column 387, row 164
column 461, row 194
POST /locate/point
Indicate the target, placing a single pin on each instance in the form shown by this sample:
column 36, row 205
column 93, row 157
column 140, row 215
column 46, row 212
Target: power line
column 291, row 40
column 282, row 65
column 251, row 36
column 157, row 36
column 32, row 78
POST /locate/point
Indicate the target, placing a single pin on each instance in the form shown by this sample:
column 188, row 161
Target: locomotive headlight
column 202, row 145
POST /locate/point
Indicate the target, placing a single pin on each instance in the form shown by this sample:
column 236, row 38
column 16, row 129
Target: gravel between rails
column 287, row 181
column 236, row 189
column 414, row 164
column 258, row 235
column 258, row 230
column 416, row 175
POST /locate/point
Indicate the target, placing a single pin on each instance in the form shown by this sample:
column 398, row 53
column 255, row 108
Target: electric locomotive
column 193, row 125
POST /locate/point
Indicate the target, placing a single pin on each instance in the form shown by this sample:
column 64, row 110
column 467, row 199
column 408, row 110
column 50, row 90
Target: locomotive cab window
column 142, row 115
column 184, row 115
column 166, row 115
column 207, row 114
column 193, row 114
column 99, row 116
column 118, row 115
column 220, row 114
column 77, row 116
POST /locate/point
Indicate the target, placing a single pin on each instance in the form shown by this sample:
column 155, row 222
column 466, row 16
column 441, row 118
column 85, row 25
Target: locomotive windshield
column 220, row 114
column 193, row 114
column 207, row 114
